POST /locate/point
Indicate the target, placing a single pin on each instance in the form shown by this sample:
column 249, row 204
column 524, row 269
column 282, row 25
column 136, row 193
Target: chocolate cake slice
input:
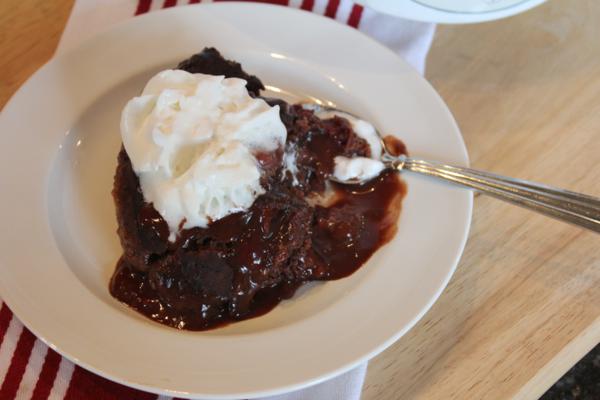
column 242, row 265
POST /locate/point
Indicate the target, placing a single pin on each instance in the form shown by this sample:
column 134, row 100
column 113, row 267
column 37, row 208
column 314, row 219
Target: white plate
column 452, row 11
column 58, row 247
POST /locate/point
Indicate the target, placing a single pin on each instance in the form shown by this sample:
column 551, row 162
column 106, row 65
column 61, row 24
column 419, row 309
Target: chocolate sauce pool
column 243, row 265
column 340, row 247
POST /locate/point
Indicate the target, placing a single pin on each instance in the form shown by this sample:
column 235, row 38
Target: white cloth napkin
column 410, row 39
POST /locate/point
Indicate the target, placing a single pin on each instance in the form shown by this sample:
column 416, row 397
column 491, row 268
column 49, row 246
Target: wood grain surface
column 524, row 304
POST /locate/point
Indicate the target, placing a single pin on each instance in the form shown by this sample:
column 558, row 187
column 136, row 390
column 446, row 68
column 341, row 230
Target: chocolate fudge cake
column 299, row 227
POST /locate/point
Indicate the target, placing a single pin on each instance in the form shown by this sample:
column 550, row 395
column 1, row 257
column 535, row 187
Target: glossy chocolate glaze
column 343, row 235
column 243, row 265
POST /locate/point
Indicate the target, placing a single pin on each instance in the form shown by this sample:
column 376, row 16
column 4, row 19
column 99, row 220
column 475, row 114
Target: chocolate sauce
column 133, row 288
column 243, row 265
column 363, row 218
column 394, row 145
column 343, row 235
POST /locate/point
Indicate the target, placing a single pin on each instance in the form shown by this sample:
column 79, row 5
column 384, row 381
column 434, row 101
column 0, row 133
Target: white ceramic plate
column 452, row 11
column 58, row 247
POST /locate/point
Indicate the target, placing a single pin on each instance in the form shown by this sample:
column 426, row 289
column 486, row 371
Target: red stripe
column 5, row 317
column 355, row 14
column 277, row 2
column 19, row 361
column 332, row 7
column 143, row 7
column 307, row 5
column 47, row 376
column 169, row 3
column 194, row 1
column 86, row 385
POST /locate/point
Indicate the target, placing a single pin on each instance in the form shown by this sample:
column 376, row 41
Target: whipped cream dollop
column 193, row 139
column 360, row 168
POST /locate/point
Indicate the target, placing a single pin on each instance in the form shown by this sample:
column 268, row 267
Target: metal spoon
column 575, row 208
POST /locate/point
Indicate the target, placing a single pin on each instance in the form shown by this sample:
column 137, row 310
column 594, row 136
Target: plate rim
column 280, row 389
column 414, row 10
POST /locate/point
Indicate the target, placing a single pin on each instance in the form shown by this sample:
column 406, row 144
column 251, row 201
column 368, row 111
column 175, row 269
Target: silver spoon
column 576, row 208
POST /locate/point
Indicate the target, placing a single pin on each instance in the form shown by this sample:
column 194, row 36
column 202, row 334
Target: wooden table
column 524, row 304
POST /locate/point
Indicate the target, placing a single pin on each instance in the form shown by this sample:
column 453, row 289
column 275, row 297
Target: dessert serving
column 224, row 200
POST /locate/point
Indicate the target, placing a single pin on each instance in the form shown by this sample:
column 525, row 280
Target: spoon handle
column 575, row 208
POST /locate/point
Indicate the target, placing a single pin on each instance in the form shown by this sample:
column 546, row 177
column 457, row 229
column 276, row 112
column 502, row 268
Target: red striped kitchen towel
column 28, row 368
